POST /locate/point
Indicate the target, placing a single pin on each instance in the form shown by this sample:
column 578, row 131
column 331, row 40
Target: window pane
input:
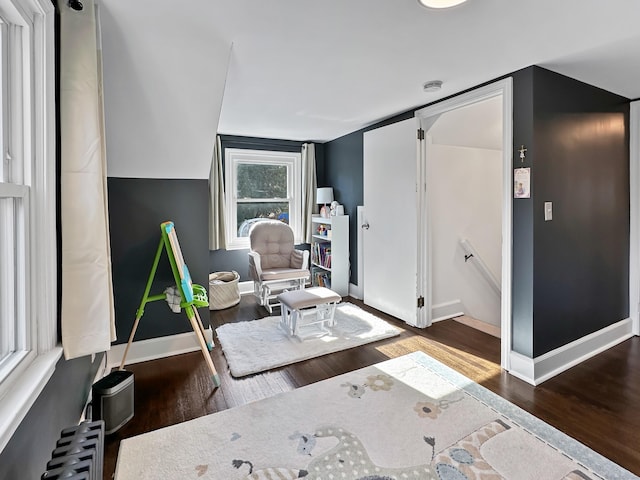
column 8, row 314
column 252, row 212
column 4, row 175
column 261, row 181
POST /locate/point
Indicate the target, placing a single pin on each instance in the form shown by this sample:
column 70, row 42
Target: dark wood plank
column 595, row 402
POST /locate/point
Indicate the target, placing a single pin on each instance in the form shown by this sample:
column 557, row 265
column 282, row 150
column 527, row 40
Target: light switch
column 548, row 211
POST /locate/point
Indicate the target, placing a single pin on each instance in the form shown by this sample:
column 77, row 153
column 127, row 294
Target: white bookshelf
column 332, row 274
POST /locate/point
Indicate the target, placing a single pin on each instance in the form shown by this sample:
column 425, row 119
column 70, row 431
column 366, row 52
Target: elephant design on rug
column 349, row 460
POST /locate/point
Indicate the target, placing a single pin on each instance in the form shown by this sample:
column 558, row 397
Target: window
column 14, row 196
column 27, row 208
column 260, row 185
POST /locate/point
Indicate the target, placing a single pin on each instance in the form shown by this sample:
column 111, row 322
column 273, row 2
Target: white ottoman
column 311, row 306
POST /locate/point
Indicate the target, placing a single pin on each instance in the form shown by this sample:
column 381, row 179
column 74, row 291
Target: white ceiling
column 317, row 70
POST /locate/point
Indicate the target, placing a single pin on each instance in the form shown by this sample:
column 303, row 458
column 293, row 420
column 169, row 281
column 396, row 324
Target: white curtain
column 217, row 239
column 88, row 322
column 309, row 206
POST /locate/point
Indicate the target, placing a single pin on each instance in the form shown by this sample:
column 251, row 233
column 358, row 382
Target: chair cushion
column 274, row 242
column 284, row 274
column 309, row 297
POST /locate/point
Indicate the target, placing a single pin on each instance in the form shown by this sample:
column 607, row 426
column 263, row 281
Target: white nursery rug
column 260, row 345
column 406, row 418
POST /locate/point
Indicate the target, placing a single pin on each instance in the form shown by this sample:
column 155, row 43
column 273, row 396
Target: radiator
column 78, row 454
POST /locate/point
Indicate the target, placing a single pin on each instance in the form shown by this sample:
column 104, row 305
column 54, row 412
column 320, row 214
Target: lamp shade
column 324, row 195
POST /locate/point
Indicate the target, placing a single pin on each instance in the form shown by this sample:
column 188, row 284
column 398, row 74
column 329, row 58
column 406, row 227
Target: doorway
column 464, row 184
column 444, row 254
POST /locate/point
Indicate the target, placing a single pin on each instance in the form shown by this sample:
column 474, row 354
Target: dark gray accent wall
column 59, row 406
column 238, row 260
column 522, row 274
column 137, row 207
column 581, row 282
column 578, row 147
column 344, row 172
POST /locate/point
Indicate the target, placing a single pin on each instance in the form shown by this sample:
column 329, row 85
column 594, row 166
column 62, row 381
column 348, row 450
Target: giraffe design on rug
column 462, row 460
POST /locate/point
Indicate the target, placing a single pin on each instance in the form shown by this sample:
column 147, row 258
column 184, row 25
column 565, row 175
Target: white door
column 390, row 220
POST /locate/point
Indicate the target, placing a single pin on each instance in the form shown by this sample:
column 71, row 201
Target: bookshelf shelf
column 330, row 253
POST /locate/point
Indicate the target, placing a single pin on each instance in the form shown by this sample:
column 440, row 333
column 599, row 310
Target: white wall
column 465, row 202
column 161, row 117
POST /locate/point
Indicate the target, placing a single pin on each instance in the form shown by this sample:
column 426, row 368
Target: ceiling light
column 440, row 3
column 432, row 86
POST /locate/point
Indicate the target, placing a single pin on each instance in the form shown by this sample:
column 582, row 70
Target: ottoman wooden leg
column 286, row 319
column 332, row 313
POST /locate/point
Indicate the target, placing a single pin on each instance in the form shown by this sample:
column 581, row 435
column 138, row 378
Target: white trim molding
column 33, row 124
column 246, row 288
column 155, row 348
column 542, row 368
column 634, row 215
column 233, row 157
column 19, row 399
column 356, row 291
column 425, row 118
column 447, row 310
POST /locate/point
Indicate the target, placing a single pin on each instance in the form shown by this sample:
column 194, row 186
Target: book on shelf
column 321, row 278
column 321, row 254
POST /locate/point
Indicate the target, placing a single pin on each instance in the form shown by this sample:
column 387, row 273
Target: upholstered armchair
column 274, row 263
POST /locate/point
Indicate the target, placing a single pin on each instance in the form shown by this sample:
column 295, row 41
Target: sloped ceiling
column 478, row 125
column 317, row 70
column 163, row 88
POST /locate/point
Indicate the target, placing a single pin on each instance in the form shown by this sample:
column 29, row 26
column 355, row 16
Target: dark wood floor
column 596, row 402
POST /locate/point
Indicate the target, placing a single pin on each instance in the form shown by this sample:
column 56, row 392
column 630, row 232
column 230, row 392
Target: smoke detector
column 432, row 86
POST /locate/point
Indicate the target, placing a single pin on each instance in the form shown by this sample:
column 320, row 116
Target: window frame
column 235, row 156
column 30, row 143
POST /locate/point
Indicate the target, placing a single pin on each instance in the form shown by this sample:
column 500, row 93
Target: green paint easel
column 191, row 295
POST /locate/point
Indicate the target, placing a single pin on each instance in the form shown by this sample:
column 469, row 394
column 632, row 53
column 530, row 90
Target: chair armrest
column 255, row 267
column 300, row 259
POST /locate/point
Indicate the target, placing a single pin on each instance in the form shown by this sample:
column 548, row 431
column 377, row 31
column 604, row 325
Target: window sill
column 235, row 245
column 23, row 393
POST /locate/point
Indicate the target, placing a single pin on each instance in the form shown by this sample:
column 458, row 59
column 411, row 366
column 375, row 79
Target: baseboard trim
column 245, row 288
column 447, row 310
column 356, row 291
column 542, row 368
column 155, row 348
column 485, row 327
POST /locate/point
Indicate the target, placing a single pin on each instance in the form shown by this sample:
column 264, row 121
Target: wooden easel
column 192, row 295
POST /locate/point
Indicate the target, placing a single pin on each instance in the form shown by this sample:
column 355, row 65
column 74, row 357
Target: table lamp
column 324, row 197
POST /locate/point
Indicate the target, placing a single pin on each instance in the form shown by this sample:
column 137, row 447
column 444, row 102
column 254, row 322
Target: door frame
column 505, row 88
column 634, row 216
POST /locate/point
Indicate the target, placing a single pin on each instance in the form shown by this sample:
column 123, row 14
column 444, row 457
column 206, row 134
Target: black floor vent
column 79, row 453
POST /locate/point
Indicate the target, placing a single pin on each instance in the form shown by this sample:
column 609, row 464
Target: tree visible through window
column 257, row 183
